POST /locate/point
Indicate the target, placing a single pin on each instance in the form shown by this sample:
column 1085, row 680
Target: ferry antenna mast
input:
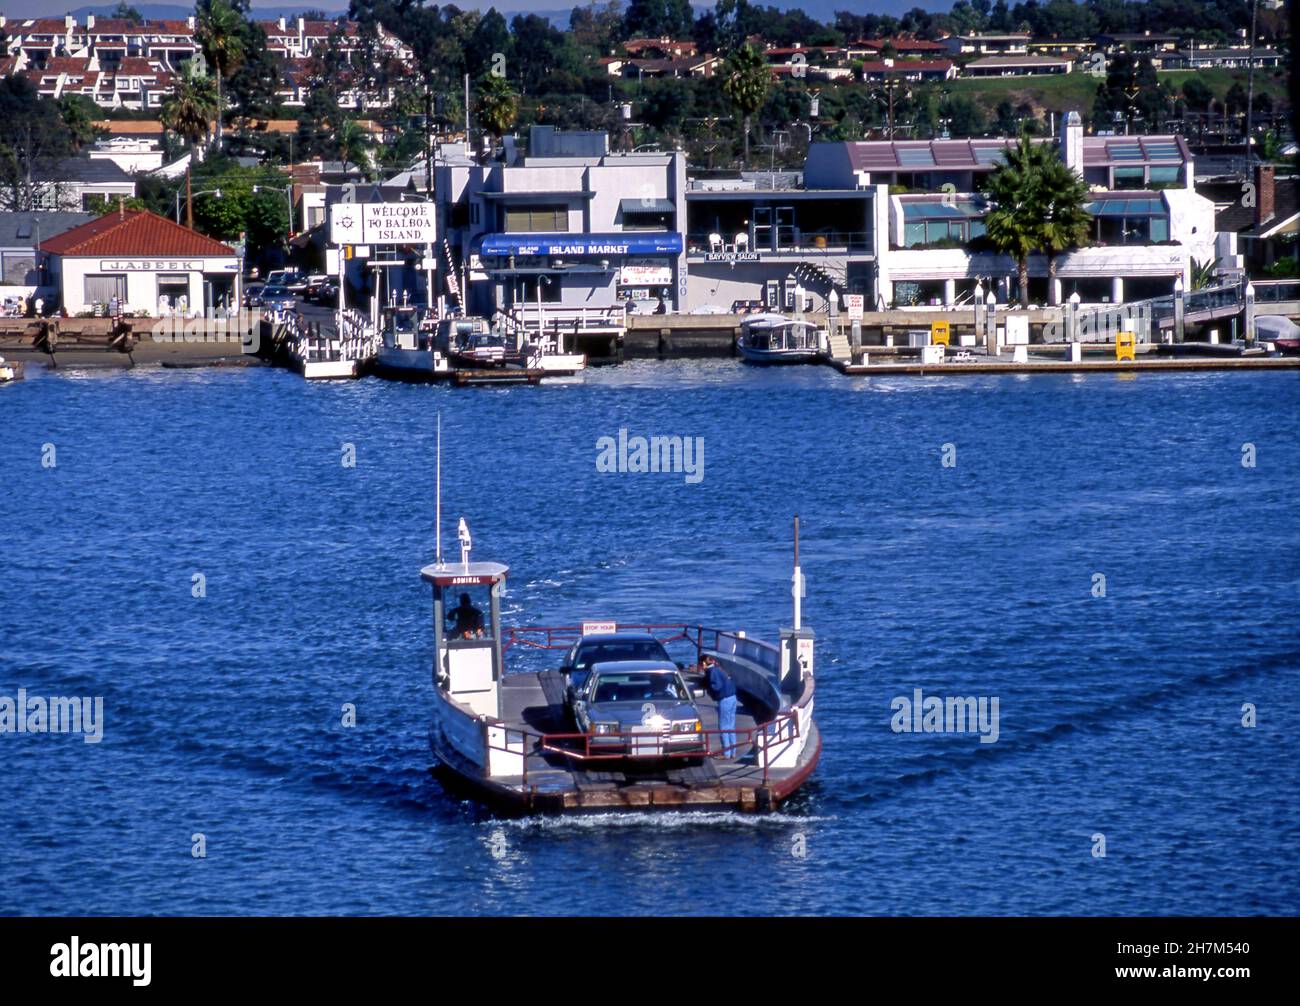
column 438, row 518
column 797, row 587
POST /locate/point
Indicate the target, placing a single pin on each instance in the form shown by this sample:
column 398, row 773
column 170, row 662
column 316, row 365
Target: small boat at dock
column 407, row 347
column 775, row 339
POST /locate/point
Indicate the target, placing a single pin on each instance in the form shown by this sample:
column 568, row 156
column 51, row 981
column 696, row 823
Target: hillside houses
column 122, row 64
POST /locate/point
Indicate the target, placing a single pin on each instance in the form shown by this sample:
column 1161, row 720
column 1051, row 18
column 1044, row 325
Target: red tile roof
column 135, row 232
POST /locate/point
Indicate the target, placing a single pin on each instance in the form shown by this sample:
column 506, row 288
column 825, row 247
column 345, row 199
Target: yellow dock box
column 939, row 333
column 1125, row 347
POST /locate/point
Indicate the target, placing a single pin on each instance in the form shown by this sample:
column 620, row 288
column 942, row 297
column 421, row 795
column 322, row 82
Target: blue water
column 1119, row 715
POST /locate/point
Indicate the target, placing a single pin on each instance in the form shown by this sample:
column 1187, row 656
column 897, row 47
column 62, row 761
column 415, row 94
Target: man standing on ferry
column 723, row 691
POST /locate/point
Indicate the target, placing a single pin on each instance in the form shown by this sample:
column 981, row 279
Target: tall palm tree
column 1066, row 223
column 1017, row 190
column 746, row 81
column 497, row 104
column 219, row 31
column 188, row 111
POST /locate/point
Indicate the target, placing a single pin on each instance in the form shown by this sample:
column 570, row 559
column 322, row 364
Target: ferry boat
column 557, row 738
column 407, row 349
column 775, row 339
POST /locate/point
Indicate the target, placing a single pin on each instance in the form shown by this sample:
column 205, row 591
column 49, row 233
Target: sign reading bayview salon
column 382, row 224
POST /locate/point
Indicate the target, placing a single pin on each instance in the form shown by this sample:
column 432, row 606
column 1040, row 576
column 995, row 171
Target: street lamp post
column 288, row 203
column 192, row 195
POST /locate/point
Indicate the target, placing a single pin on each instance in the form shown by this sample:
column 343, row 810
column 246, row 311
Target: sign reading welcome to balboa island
column 383, row 224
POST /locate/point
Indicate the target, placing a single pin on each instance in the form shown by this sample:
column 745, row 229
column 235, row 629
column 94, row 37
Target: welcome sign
column 412, row 223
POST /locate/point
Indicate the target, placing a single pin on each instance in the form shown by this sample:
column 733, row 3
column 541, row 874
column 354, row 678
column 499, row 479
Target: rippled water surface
column 1119, row 715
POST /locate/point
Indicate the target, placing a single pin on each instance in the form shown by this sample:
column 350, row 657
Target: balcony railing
column 796, row 242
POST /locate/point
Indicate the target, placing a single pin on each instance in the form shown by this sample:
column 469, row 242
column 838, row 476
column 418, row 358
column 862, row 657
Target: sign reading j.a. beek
column 382, row 224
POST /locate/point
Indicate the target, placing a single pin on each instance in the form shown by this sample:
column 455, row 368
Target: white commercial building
column 145, row 264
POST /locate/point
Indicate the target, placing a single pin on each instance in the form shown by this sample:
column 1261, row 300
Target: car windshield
column 589, row 654
column 274, row 291
column 640, row 687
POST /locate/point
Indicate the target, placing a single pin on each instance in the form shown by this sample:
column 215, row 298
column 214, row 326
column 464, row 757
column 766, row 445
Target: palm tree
column 190, row 108
column 352, row 144
column 1066, row 222
column 746, row 81
column 497, row 104
column 219, row 31
column 1021, row 200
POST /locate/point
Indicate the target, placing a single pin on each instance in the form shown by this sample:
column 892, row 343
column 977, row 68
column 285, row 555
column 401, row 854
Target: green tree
column 253, row 83
column 497, row 104
column 658, row 18
column 79, row 113
column 125, row 12
column 1130, row 94
column 746, row 79
column 219, row 32
column 33, row 139
column 189, row 110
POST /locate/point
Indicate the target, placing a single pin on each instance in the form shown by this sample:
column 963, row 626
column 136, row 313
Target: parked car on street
column 290, row 279
column 277, row 298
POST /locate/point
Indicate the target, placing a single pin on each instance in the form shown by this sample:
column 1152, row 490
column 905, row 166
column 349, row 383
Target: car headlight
column 605, row 728
column 687, row 727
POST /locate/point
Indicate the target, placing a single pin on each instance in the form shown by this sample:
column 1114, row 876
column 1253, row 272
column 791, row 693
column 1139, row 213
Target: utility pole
column 1250, row 81
column 428, row 140
column 189, row 201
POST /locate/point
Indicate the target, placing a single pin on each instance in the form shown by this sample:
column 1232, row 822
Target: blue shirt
column 720, row 685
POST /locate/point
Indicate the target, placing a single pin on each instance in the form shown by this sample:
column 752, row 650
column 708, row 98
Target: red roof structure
column 135, row 232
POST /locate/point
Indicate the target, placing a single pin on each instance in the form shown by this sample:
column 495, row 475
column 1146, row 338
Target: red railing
column 537, row 745
column 563, row 637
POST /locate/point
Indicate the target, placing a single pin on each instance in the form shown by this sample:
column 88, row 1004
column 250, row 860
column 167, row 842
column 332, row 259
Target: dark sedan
column 607, row 647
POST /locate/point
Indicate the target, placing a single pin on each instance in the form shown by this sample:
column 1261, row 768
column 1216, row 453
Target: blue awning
column 624, row 243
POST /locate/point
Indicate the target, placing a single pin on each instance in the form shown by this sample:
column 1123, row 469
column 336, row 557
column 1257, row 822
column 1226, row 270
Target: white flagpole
column 438, row 518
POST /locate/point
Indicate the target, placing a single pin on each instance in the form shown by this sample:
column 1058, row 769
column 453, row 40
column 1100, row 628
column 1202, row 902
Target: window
column 647, row 221
column 102, row 289
column 17, row 267
column 1165, row 175
column 537, row 218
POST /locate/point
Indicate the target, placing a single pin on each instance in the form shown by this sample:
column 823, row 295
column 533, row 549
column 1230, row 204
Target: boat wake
column 675, row 821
